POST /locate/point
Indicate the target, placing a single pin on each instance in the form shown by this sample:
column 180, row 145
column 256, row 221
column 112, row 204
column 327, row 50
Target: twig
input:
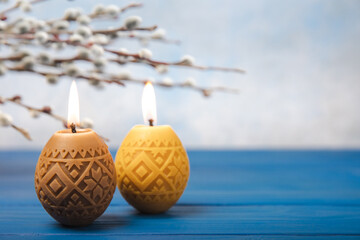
column 14, row 7
column 45, row 110
column 114, row 79
column 24, row 132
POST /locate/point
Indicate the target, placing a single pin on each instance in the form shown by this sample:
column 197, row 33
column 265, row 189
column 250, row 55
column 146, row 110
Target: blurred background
column 301, row 89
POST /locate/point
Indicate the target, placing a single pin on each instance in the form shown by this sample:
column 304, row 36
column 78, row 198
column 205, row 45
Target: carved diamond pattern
column 142, row 171
column 55, row 185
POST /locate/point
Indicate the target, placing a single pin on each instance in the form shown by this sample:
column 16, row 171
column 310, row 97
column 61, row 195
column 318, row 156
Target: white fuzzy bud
column 100, row 39
column 61, row 25
column 87, row 123
column 190, row 82
column 44, row 58
column 76, row 38
column 158, row 34
column 83, row 52
column 100, row 62
column 112, row 10
column 97, row 50
column 167, row 81
column 132, row 22
column 162, row 68
column 23, row 27
column 34, row 113
column 125, row 75
column 25, row 6
column 5, row 119
column 71, row 70
column 58, row 45
column 52, row 79
column 41, row 37
column 123, row 50
column 83, row 20
column 3, row 26
column 40, row 24
column 187, row 60
column 84, row 31
column 99, row 9
column 3, row 69
column 27, row 62
column 71, row 14
column 145, row 53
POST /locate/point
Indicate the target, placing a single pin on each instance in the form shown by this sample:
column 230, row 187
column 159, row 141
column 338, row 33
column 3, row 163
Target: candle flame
column 149, row 104
column 73, row 106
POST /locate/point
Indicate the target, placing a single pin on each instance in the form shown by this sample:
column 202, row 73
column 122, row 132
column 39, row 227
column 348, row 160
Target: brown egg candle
column 151, row 164
column 75, row 176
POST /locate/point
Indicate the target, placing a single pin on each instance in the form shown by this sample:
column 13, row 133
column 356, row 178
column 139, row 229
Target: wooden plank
column 194, row 220
column 231, row 178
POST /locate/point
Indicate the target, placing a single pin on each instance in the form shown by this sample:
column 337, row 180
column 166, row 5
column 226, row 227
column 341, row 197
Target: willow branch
column 24, row 132
column 95, row 16
column 154, row 63
column 14, row 7
column 45, row 110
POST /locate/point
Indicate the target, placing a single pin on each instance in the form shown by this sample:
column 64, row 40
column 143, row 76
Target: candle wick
column 73, row 128
column 151, row 122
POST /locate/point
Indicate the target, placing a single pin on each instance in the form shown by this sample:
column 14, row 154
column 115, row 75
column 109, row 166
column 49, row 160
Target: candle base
column 152, row 168
column 75, row 177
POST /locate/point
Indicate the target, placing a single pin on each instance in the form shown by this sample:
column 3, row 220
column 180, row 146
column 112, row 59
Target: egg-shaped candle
column 75, row 176
column 152, row 165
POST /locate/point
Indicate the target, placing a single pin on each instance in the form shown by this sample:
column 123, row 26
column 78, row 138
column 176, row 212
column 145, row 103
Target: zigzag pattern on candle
column 75, row 184
column 152, row 172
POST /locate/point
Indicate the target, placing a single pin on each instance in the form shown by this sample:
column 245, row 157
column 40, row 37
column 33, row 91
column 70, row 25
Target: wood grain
column 230, row 195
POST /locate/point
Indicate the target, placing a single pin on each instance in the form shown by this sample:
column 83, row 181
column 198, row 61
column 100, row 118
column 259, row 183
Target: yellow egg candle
column 151, row 164
column 75, row 175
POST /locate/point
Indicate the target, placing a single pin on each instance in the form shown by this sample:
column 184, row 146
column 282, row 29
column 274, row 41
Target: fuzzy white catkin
column 71, row 70
column 112, row 10
column 167, row 81
column 97, row 50
column 72, row 14
column 76, row 38
column 61, row 25
column 158, row 34
column 190, row 81
column 34, row 113
column 83, row 20
column 84, row 31
column 124, row 75
column 162, row 68
column 83, row 52
column 132, row 22
column 3, row 69
column 5, row 119
column 87, row 123
column 188, row 60
column 100, row 39
column 44, row 58
column 27, row 62
column 145, row 53
column 98, row 9
column 23, row 27
column 99, row 62
column 52, row 79
column 42, row 37
column 3, row 25
column 25, row 6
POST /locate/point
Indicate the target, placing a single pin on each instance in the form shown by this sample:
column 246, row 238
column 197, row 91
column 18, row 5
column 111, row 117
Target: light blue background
column 301, row 90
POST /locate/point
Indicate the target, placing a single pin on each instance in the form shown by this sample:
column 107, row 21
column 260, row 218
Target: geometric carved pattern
column 152, row 173
column 75, row 186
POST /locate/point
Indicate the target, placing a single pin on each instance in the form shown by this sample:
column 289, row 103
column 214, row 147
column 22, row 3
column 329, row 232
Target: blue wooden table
column 230, row 195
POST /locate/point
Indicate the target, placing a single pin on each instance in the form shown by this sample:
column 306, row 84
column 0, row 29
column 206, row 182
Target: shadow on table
column 105, row 222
